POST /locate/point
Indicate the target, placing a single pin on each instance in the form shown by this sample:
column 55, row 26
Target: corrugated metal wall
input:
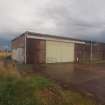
column 41, row 51
column 83, row 52
column 19, row 42
column 59, row 52
column 35, row 51
column 18, row 55
column 18, row 49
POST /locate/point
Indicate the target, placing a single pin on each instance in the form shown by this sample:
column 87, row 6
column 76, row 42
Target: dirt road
column 88, row 79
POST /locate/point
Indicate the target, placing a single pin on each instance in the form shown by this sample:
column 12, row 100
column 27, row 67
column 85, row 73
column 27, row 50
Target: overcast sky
column 74, row 18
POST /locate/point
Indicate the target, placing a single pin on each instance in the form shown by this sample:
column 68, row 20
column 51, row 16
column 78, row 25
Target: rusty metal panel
column 18, row 49
column 35, row 51
column 19, row 42
column 83, row 52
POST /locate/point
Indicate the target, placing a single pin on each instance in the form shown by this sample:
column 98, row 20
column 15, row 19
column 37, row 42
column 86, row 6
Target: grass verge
column 35, row 90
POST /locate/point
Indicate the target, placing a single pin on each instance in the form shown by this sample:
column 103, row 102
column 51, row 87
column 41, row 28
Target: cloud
column 83, row 19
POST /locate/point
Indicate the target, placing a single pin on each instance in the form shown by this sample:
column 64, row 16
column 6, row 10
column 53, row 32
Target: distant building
column 34, row 48
column 4, row 53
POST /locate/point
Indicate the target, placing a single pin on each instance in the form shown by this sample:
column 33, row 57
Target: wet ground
column 88, row 79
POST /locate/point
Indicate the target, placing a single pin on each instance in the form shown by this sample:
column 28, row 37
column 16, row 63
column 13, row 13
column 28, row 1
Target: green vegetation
column 37, row 91
column 34, row 90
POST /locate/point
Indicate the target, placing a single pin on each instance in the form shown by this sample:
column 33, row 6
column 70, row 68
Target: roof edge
column 55, row 36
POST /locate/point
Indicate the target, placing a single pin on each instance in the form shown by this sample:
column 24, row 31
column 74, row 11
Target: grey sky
column 74, row 18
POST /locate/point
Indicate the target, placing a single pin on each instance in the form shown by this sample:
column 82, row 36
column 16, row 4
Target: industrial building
column 32, row 48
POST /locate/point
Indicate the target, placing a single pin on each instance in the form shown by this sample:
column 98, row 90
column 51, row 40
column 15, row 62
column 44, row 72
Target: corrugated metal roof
column 55, row 36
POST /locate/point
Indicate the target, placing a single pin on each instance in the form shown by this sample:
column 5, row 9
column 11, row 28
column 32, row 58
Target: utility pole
column 25, row 47
column 91, row 52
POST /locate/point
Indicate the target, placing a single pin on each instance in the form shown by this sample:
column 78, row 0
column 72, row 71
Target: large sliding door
column 59, row 52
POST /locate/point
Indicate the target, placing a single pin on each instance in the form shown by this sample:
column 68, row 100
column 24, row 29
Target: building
column 5, row 53
column 32, row 48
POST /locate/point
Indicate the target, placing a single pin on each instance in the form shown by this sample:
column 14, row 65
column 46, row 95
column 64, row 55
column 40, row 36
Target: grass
column 35, row 90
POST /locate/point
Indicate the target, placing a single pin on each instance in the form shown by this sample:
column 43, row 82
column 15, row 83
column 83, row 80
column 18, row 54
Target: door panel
column 59, row 52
